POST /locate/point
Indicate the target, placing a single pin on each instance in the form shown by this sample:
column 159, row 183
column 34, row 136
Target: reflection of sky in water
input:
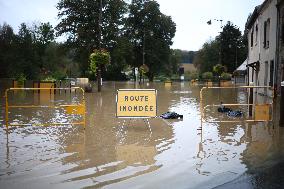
column 128, row 153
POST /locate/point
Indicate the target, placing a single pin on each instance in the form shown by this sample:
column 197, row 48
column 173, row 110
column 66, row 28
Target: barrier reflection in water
column 262, row 111
column 43, row 98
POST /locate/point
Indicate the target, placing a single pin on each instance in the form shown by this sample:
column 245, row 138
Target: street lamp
column 151, row 33
column 221, row 22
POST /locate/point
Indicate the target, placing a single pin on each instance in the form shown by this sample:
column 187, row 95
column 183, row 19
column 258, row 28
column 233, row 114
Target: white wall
column 257, row 52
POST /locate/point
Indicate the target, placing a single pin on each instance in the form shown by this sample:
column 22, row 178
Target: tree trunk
column 151, row 77
column 99, row 77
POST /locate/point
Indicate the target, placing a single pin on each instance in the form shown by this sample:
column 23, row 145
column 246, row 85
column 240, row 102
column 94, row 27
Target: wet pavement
column 127, row 153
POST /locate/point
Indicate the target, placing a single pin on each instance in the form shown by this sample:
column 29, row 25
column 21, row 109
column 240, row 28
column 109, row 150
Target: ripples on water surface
column 126, row 153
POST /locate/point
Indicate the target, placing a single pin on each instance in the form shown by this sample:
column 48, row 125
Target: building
column 280, row 53
column 262, row 37
column 280, row 36
column 266, row 49
column 240, row 74
column 188, row 67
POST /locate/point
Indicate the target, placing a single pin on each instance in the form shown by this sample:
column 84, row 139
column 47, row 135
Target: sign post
column 136, row 103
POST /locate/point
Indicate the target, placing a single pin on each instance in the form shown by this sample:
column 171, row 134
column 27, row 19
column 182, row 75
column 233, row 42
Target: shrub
column 207, row 75
column 226, row 76
column 99, row 57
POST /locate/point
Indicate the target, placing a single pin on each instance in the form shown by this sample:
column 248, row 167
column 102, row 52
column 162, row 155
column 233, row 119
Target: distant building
column 188, row 67
column 240, row 74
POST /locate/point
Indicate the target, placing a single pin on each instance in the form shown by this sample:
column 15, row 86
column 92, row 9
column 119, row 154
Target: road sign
column 138, row 103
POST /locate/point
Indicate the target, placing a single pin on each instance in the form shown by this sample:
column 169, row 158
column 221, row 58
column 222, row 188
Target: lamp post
column 99, row 73
column 221, row 26
column 151, row 33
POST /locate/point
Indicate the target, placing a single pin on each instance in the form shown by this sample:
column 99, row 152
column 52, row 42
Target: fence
column 78, row 108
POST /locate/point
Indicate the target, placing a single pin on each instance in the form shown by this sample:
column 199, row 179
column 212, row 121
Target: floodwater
column 135, row 153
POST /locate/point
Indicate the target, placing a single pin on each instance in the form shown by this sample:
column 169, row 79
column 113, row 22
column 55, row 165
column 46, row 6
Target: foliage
column 229, row 49
column 44, row 33
column 21, row 78
column 80, row 23
column 233, row 46
column 49, row 79
column 33, row 52
column 151, row 32
column 97, row 58
column 219, row 69
column 207, row 56
column 143, row 69
column 226, row 76
column 191, row 75
column 207, row 75
column 175, row 60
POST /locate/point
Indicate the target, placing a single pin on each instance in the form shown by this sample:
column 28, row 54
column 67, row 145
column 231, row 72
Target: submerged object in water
column 171, row 115
column 224, row 109
column 236, row 113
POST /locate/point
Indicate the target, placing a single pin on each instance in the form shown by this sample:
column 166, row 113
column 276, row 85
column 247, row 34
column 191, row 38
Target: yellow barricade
column 262, row 111
column 79, row 109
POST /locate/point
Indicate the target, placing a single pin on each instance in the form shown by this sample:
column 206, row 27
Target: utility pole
column 99, row 73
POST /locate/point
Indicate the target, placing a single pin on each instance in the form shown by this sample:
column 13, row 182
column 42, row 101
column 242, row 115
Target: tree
column 231, row 45
column 44, row 33
column 25, row 52
column 219, row 69
column 175, row 60
column 228, row 49
column 7, row 58
column 151, row 34
column 207, row 56
column 121, row 57
column 80, row 22
column 207, row 76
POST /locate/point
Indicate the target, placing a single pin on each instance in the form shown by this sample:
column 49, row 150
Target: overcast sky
column 190, row 16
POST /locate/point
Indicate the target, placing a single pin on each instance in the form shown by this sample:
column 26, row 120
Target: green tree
column 218, row 69
column 232, row 46
column 7, row 50
column 80, row 22
column 44, row 33
column 207, row 75
column 150, row 32
column 207, row 56
column 121, row 57
column 175, row 60
column 25, row 53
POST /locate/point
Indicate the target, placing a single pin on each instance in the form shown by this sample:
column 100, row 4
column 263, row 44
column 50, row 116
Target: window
column 266, row 33
column 271, row 73
column 251, row 38
column 256, row 34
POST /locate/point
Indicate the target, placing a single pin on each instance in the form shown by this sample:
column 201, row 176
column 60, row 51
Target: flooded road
column 134, row 153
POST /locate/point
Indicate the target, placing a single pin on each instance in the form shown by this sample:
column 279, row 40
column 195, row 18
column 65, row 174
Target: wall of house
column 281, row 43
column 263, row 50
